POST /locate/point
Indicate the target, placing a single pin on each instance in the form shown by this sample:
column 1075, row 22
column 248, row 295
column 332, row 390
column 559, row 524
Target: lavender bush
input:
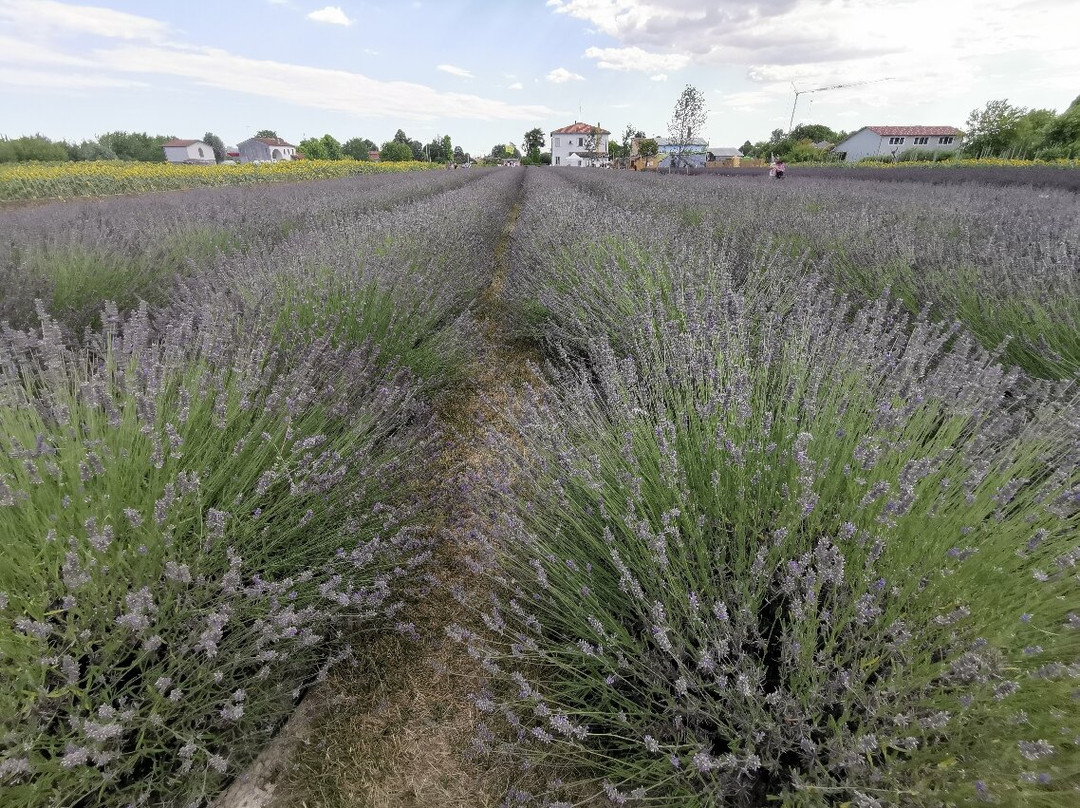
column 765, row 543
column 405, row 280
column 188, row 519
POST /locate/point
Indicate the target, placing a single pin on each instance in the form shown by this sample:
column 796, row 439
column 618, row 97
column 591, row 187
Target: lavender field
column 767, row 493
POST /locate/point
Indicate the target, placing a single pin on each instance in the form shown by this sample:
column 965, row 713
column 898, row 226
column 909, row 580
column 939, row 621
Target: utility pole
column 798, row 92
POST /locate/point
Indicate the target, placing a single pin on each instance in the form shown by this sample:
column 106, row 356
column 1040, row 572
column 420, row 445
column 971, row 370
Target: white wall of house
column 562, row 146
column 253, row 149
column 197, row 152
column 868, row 143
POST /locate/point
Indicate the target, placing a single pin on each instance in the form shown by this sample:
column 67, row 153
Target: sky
column 485, row 72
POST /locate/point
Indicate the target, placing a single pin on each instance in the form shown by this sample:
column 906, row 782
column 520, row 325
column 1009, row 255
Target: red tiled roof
column 917, row 131
column 580, row 129
column 180, row 143
column 273, row 141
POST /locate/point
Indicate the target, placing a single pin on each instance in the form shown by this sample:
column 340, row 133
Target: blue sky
column 485, row 72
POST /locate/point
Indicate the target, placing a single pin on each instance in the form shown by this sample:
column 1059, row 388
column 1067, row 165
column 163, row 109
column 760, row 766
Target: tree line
column 144, row 147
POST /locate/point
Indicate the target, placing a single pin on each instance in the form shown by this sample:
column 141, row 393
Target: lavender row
column 761, row 542
column 75, row 255
column 205, row 505
column 1003, row 260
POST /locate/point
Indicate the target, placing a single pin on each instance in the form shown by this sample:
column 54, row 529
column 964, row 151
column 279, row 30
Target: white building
column 268, row 149
column 583, row 140
column 188, row 151
column 892, row 141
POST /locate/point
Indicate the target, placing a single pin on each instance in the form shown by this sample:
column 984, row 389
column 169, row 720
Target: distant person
column 780, row 167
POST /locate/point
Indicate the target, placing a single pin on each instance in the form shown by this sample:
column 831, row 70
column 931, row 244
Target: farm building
column 269, row 149
column 724, row 155
column 892, row 141
column 188, row 151
column 577, row 138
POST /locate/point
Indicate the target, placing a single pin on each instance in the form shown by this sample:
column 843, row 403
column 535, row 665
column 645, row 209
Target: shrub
column 188, row 518
column 825, row 561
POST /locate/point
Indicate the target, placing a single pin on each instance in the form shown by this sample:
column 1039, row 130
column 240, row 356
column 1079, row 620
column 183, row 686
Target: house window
column 555, row 141
column 896, row 141
column 945, row 141
column 581, row 141
column 921, row 141
column 200, row 151
column 558, row 160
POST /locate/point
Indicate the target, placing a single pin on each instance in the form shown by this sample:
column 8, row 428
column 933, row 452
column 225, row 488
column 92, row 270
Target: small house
column 889, row 142
column 578, row 138
column 723, row 156
column 266, row 149
column 188, row 151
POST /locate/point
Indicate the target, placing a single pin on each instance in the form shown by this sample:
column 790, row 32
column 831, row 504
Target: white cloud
column 38, row 79
column 455, row 71
column 52, row 16
column 658, row 77
column 943, row 49
column 330, row 14
column 635, row 58
column 517, row 85
column 561, row 75
column 24, row 52
column 314, row 87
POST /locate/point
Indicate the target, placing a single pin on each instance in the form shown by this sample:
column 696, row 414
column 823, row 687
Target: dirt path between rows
column 395, row 731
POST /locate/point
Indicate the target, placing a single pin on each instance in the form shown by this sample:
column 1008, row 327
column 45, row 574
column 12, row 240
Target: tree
column 814, row 132
column 358, row 148
column 394, row 151
column 747, row 149
column 534, row 139
column 89, row 150
column 505, row 151
column 267, row 133
column 687, row 123
column 648, row 148
column 1062, row 135
column 460, row 156
column 33, row 147
column 313, row 148
column 990, row 130
column 448, row 148
column 136, row 145
column 214, row 142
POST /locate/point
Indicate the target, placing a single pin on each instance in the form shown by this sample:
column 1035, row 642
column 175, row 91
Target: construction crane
column 799, row 92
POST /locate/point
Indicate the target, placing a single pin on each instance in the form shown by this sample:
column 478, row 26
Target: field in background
column 26, row 181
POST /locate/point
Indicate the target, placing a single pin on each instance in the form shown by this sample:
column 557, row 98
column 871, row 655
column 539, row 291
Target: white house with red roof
column 579, row 144
column 266, row 149
column 188, row 151
column 891, row 141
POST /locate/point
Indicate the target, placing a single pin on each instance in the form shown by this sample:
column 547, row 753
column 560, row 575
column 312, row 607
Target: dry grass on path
column 395, row 731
